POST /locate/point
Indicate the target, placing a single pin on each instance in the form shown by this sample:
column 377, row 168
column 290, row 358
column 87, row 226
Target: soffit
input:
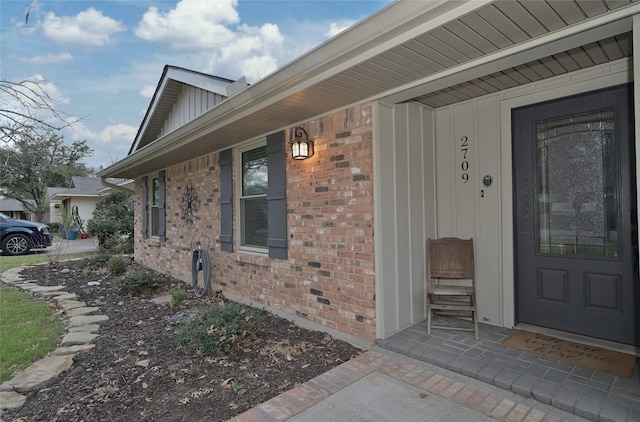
column 170, row 86
column 491, row 29
column 495, row 27
column 602, row 51
column 438, row 67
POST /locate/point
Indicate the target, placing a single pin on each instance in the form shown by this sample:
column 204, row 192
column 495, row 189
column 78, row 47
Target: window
column 260, row 197
column 153, row 206
column 155, row 201
column 253, row 198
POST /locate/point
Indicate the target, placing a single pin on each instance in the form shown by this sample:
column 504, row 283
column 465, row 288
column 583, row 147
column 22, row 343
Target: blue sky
column 101, row 60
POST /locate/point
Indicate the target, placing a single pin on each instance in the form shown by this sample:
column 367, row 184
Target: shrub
column 136, row 283
column 116, row 265
column 219, row 328
column 112, row 222
column 177, row 296
column 103, row 229
column 109, row 238
column 95, row 262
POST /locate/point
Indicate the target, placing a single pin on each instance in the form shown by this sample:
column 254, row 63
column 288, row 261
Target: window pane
column 155, row 218
column 254, row 172
column 254, row 222
column 578, row 185
column 155, row 198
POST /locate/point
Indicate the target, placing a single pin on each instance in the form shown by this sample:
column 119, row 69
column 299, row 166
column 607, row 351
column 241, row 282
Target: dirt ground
column 139, row 372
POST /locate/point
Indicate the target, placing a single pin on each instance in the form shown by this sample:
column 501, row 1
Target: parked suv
column 18, row 237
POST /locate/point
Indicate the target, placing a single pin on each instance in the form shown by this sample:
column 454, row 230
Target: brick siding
column 328, row 277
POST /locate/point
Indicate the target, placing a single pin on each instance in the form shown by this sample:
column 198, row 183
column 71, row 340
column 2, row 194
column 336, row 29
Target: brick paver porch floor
column 583, row 391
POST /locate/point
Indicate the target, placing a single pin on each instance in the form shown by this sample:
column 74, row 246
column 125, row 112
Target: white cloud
column 35, row 102
column 209, row 33
column 337, row 27
column 192, row 25
column 112, row 133
column 34, row 93
column 79, row 131
column 270, row 34
column 52, row 91
column 89, row 28
column 257, row 67
column 255, row 52
column 109, row 145
column 147, row 91
column 48, row 59
column 119, row 132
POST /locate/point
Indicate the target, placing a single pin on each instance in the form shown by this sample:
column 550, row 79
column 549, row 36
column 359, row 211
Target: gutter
column 103, row 180
column 396, row 23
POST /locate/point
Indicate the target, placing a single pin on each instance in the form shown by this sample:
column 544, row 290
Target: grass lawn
column 28, row 329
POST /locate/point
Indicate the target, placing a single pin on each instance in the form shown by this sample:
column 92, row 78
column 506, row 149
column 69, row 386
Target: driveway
column 68, row 247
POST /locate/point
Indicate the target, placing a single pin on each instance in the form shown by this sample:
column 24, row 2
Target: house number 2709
column 464, row 165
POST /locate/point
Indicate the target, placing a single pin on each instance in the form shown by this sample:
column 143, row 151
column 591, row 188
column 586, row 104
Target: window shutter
column 276, row 196
column 226, row 204
column 162, row 212
column 144, row 197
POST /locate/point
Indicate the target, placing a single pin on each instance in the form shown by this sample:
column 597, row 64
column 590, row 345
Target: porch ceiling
column 495, row 27
column 430, row 62
column 437, row 56
column 595, row 53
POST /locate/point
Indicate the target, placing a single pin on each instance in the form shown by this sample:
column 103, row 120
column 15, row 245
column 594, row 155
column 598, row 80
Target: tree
column 32, row 162
column 26, row 106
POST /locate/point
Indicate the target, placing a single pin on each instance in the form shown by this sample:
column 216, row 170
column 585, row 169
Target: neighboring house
column 16, row 209
column 508, row 122
column 54, row 205
column 84, row 193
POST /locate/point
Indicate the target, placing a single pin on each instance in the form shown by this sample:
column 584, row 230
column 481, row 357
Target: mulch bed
column 112, row 383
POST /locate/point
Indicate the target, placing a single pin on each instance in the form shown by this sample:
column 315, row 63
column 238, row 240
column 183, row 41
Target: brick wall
column 328, row 277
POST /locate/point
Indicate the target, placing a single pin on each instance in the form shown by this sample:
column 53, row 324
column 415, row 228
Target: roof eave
column 392, row 25
column 62, row 196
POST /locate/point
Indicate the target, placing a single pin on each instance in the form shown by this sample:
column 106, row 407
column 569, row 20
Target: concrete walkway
column 68, row 247
column 82, row 324
column 61, row 247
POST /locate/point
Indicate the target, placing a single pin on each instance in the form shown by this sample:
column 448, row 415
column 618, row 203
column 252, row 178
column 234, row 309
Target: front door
column 575, row 219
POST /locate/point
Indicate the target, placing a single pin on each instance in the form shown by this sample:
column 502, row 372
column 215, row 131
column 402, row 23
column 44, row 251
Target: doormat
column 616, row 363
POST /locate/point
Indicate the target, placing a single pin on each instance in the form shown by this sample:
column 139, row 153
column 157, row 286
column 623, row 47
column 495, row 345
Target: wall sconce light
column 301, row 146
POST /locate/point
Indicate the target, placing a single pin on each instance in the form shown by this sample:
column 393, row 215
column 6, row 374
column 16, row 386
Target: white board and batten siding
column 191, row 103
column 427, row 187
column 405, row 211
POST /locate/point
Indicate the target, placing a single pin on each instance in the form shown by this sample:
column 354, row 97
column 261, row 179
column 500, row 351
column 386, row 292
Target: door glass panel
column 578, row 185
